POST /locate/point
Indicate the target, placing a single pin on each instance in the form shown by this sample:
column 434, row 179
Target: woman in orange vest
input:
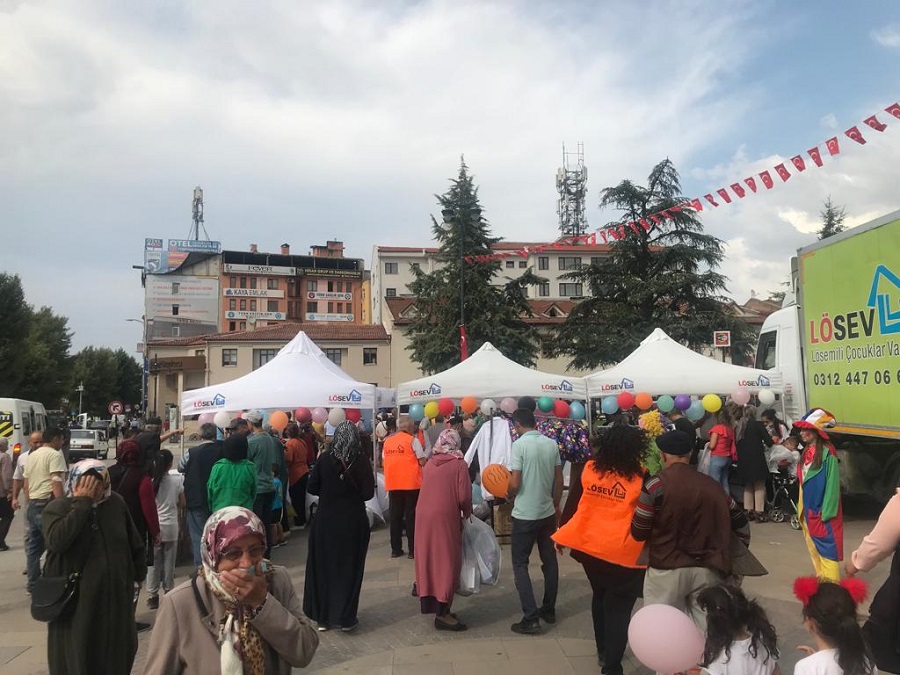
column 402, row 480
column 599, row 534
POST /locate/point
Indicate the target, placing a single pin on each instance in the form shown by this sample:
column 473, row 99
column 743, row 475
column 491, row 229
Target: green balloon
column 665, row 403
column 545, row 404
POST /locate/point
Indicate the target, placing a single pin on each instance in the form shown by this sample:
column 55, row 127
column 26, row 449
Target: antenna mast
column 197, row 209
column 571, row 183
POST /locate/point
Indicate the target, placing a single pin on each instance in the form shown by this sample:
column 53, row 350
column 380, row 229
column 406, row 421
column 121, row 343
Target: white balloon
column 222, row 419
column 488, row 406
column 336, row 416
column 766, row 397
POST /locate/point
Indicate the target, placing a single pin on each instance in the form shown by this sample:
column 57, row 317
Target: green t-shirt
column 537, row 457
column 263, row 452
column 231, row 484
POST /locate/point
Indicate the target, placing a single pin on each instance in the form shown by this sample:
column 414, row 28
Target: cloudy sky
column 305, row 121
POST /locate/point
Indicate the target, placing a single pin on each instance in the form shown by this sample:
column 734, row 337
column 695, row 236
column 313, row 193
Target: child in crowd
column 829, row 614
column 740, row 639
column 233, row 478
column 784, row 456
column 276, row 531
column 169, row 488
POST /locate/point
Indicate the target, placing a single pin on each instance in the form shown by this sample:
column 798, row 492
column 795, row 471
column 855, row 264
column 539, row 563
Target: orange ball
column 644, row 401
column 495, row 479
column 468, row 405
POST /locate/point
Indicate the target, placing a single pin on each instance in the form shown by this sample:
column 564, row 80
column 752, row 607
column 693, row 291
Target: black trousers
column 616, row 589
column 403, row 514
column 297, row 493
column 6, row 517
column 262, row 507
column 525, row 534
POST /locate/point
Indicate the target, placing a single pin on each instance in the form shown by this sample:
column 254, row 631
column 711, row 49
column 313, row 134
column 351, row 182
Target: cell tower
column 571, row 183
column 198, row 225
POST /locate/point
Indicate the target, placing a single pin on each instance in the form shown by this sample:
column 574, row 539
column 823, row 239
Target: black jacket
column 196, row 473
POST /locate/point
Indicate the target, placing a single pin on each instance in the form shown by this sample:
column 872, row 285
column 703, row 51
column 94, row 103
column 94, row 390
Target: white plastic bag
column 703, row 460
column 469, row 575
column 480, row 538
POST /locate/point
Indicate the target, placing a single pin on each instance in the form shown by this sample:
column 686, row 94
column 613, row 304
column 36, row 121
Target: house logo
column 761, row 381
column 885, row 293
column 565, row 386
column 624, row 385
column 433, row 390
column 216, row 401
column 353, row 397
column 617, row 491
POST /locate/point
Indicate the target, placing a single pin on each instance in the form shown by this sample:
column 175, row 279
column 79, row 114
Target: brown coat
column 184, row 639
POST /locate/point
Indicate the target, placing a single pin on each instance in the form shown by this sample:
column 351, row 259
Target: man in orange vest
column 402, row 480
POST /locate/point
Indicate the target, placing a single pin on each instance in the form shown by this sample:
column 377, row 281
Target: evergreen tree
column 492, row 313
column 832, row 219
column 15, row 319
column 46, row 359
column 665, row 277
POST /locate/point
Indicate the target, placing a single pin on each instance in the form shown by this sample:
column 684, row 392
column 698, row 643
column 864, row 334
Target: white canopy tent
column 489, row 374
column 299, row 375
column 662, row 366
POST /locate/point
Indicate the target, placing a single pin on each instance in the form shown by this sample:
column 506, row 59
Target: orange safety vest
column 401, row 466
column 601, row 527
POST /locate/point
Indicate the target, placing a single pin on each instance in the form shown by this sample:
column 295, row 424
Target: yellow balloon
column 432, row 410
column 712, row 403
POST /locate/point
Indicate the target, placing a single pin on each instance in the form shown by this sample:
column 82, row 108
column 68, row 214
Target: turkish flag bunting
column 799, row 163
column 666, row 214
column 833, row 146
column 622, row 231
column 751, row 183
column 783, row 172
column 468, row 259
column 614, row 233
column 675, row 209
column 592, row 239
column 634, row 227
column 875, row 124
column 603, row 234
column 712, row 201
column 647, row 226
column 854, row 134
column 697, row 205
column 893, row 110
column 655, row 219
column 523, row 253
column 738, row 190
column 767, row 180
column 723, row 193
column 815, row 155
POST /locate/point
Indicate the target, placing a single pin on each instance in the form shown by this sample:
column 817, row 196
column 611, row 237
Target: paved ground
column 394, row 638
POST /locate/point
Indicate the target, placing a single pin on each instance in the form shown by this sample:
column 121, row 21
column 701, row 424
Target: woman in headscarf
column 131, row 479
column 89, row 530
column 444, row 502
column 339, row 538
column 238, row 615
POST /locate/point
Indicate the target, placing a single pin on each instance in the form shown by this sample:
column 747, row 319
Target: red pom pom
column 805, row 588
column 856, row 588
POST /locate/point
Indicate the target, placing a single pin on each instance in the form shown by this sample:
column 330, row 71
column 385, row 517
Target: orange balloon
column 495, row 479
column 468, row 405
column 644, row 401
column 278, row 420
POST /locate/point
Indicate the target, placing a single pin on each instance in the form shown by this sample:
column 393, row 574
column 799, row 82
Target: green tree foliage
column 107, row 376
column 46, row 358
column 665, row 277
column 15, row 316
column 493, row 313
column 832, row 219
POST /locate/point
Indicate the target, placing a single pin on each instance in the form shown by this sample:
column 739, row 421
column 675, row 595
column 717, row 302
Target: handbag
column 54, row 598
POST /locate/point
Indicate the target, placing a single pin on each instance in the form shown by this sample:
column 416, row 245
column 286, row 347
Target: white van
column 18, row 419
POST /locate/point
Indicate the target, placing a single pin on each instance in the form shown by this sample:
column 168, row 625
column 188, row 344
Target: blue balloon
column 609, row 405
column 695, row 411
column 576, row 410
column 416, row 412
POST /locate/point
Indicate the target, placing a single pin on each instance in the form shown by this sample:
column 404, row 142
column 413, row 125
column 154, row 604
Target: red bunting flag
column 666, row 214
column 697, row 205
column 815, row 155
column 751, row 183
column 833, row 146
column 622, row 231
column 634, row 227
column 614, row 233
column 602, row 233
column 738, row 190
column 854, row 134
column 875, row 124
column 783, row 172
column 712, row 201
column 647, row 226
column 655, row 218
column 799, row 163
column 723, row 193
column 767, row 180
column 676, row 209
column 893, row 110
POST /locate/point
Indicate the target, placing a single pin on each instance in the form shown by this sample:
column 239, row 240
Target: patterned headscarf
column 448, row 443
column 223, row 528
column 346, row 444
column 79, row 469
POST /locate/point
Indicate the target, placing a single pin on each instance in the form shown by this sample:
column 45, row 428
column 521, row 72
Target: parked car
column 88, row 443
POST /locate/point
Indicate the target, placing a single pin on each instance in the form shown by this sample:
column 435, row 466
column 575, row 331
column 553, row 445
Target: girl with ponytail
column 829, row 614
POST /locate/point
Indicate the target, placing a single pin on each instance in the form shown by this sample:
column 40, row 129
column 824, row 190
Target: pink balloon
column 509, row 405
column 319, row 415
column 302, row 415
column 206, row 418
column 665, row 639
column 741, row 396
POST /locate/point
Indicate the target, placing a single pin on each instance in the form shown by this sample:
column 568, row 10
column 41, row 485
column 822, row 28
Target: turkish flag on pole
column 833, row 146
column 875, row 124
column 893, row 110
column 723, row 193
column 815, row 155
column 799, row 163
column 738, row 190
column 767, row 180
column 854, row 134
column 463, row 344
column 783, row 172
column 712, row 201
column 751, row 183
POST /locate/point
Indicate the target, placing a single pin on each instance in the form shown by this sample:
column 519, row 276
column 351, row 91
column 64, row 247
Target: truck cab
column 779, row 348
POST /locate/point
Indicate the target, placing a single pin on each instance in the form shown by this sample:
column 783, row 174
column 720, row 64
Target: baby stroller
column 782, row 503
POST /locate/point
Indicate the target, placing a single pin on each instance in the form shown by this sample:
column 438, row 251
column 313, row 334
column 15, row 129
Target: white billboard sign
column 316, row 295
column 252, row 293
column 271, row 270
column 258, row 316
column 310, row 316
column 182, row 299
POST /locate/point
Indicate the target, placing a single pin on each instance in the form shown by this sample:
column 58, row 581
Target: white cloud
column 888, row 36
column 829, row 121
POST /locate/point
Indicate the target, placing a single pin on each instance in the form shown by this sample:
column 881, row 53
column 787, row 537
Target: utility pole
column 80, row 390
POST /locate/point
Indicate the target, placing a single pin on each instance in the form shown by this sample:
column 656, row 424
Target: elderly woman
column 238, row 615
column 445, row 500
column 90, row 531
column 339, row 539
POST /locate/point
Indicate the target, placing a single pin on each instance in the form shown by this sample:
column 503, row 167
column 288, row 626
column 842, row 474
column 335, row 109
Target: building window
column 348, row 286
column 312, row 307
column 176, row 331
column 232, row 326
column 312, row 285
column 174, row 310
column 272, row 284
column 232, row 281
column 510, row 264
column 272, row 306
column 370, row 356
column 229, row 357
column 523, row 264
column 175, row 286
column 262, row 356
column 232, row 304
column 569, row 262
column 334, row 355
column 243, row 282
column 390, row 292
column 570, row 290
column 595, row 261
column 544, row 290
column 340, row 287
column 253, row 305
column 339, row 307
column 391, row 268
column 330, row 307
column 243, row 305
column 252, row 282
column 543, row 262
column 331, row 287
column 243, row 325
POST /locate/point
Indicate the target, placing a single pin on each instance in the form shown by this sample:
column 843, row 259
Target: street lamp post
column 144, row 364
column 451, row 218
column 80, row 390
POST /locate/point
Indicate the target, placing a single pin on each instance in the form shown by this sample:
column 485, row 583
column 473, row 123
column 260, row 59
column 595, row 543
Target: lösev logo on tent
column 761, row 381
column 353, row 397
column 624, row 385
column 214, row 402
column 564, row 386
column 433, row 390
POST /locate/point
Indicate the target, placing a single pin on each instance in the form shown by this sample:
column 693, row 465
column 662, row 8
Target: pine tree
column 665, row 277
column 492, row 313
column 832, row 219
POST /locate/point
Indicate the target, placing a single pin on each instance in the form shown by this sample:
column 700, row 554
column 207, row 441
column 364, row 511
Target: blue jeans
column 719, row 468
column 196, row 519
column 34, row 547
